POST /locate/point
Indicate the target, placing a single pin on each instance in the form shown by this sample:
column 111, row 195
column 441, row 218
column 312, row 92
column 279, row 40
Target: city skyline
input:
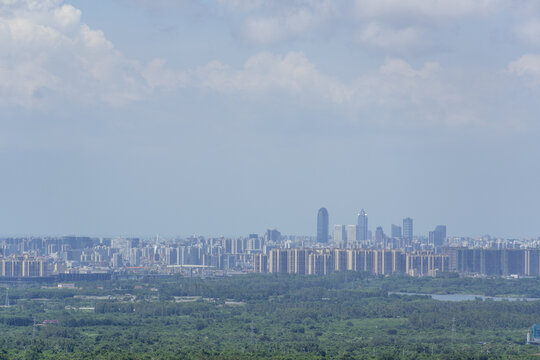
column 56, row 258
column 352, row 247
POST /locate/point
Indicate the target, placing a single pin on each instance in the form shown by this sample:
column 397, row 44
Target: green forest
column 339, row 316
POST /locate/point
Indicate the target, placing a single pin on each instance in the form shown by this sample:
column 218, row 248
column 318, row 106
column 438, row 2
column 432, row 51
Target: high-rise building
column 260, row 263
column 352, row 232
column 278, row 261
column 408, row 229
column 396, row 231
column 322, row 226
column 437, row 236
column 171, row 257
column 362, row 232
column 379, row 235
column 117, row 260
column 272, row 235
column 135, row 256
column 339, row 233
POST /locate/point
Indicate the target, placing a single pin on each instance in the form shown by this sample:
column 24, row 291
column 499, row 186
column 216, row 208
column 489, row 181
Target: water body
column 466, row 297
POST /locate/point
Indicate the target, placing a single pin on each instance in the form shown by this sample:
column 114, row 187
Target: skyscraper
column 396, row 231
column 339, row 233
column 408, row 229
column 322, row 226
column 352, row 232
column 362, row 226
column 379, row 235
column 273, row 235
column 437, row 236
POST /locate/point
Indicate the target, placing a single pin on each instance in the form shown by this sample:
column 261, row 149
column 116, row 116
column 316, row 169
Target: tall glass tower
column 322, row 226
column 408, row 229
column 362, row 226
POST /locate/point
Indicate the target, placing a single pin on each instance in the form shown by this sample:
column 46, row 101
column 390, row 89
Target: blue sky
column 227, row 117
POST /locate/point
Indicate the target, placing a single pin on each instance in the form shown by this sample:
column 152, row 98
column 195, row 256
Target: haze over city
column 124, row 118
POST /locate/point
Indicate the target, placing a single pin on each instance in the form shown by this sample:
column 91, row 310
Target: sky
column 228, row 117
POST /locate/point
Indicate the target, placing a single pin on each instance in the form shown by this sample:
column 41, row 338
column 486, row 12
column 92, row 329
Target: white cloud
column 527, row 67
column 52, row 53
column 395, row 84
column 401, row 24
column 382, row 36
column 243, row 5
column 381, row 23
column 529, row 31
column 271, row 21
column 400, row 67
column 261, row 73
column 429, row 92
column 265, row 30
column 292, row 73
column 158, row 76
column 422, row 8
column 55, row 58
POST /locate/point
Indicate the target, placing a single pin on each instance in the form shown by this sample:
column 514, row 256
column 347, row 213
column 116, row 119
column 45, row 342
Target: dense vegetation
column 340, row 316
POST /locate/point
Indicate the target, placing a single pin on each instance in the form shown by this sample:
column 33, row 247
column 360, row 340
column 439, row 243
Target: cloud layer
column 268, row 22
column 54, row 57
column 527, row 67
column 53, row 54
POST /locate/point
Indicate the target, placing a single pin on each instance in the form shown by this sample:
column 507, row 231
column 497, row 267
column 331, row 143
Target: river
column 466, row 297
